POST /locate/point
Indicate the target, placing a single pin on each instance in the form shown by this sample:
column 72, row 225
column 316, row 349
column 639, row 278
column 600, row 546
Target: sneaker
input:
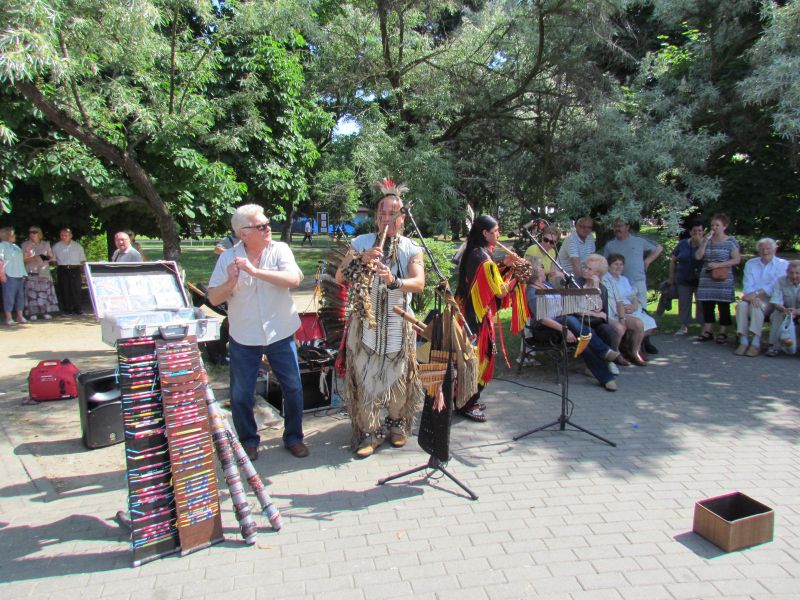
column 22, row 320
column 611, row 386
column 613, row 368
column 529, row 362
column 32, row 318
column 10, row 322
column 47, row 317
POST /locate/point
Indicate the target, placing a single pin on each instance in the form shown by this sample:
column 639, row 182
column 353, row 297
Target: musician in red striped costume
column 380, row 351
column 483, row 289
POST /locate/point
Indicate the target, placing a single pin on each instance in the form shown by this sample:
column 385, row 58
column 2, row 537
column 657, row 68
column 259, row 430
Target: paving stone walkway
column 560, row 514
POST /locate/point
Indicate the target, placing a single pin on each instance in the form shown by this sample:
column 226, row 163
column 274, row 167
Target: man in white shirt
column 760, row 275
column 125, row 252
column 308, row 229
column 254, row 278
column 69, row 257
column 577, row 246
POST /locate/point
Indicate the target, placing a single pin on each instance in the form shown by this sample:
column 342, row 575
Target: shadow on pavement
column 67, row 487
column 325, row 506
column 19, row 544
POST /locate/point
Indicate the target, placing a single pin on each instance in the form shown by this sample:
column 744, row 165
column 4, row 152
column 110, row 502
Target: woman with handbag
column 719, row 253
column 684, row 273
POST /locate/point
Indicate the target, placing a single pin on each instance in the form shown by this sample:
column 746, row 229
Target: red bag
column 53, row 380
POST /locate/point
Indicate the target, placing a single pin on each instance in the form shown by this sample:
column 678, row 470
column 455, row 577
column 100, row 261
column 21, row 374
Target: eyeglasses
column 260, row 227
column 548, row 240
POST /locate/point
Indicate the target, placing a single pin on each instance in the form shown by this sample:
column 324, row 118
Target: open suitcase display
column 145, row 299
column 173, row 497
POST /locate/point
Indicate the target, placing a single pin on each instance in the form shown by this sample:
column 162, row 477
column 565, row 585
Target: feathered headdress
column 387, row 187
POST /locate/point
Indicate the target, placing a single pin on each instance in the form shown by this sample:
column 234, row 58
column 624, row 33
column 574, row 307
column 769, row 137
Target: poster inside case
column 143, row 299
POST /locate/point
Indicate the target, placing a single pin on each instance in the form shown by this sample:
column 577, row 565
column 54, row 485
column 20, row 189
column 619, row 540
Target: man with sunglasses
column 577, row 246
column 254, row 277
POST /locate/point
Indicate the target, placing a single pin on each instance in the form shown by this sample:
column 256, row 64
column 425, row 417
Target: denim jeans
column 595, row 352
column 245, row 361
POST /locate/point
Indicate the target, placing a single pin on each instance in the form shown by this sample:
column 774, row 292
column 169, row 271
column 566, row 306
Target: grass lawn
column 199, row 260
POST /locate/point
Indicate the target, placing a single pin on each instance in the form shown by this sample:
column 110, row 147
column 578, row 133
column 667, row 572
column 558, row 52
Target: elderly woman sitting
column 597, row 354
column 624, row 307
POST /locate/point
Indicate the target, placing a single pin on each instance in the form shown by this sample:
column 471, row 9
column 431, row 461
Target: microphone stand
column 443, row 289
column 562, row 351
column 569, row 277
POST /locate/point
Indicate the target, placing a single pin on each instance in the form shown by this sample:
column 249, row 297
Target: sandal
column 705, row 337
column 474, row 414
column 722, row 338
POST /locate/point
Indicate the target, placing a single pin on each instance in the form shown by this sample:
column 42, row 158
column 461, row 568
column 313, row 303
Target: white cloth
column 622, row 290
column 68, row 254
column 259, row 313
column 760, row 276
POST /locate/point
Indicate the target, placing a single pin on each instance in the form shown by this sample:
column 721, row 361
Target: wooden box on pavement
column 733, row 521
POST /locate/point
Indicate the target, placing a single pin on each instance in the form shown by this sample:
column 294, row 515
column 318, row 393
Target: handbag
column 719, row 273
column 788, row 336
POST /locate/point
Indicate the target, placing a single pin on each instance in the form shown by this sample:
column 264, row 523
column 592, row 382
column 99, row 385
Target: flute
column 417, row 325
column 510, row 252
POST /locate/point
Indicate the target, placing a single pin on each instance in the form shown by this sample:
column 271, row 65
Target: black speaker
column 313, row 398
column 100, row 405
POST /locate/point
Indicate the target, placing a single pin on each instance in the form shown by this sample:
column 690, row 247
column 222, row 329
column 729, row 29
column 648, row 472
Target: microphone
column 409, row 205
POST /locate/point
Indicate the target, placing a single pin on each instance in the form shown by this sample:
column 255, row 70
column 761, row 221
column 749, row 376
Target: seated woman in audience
column 597, row 354
column 594, row 269
column 624, row 307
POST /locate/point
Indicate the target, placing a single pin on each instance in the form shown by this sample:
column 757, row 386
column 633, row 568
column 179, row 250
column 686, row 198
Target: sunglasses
column 548, row 240
column 261, row 227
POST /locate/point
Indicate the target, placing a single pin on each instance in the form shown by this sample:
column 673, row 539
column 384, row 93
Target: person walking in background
column 308, row 229
column 719, row 253
column 12, row 276
column 254, row 278
column 760, row 275
column 577, row 246
column 684, row 273
column 40, row 294
column 69, row 257
column 125, row 252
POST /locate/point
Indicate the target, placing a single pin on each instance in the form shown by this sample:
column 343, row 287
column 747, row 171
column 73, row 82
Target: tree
column 141, row 88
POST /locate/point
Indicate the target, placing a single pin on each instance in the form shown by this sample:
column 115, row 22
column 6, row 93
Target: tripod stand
column 561, row 349
column 441, row 447
column 436, row 465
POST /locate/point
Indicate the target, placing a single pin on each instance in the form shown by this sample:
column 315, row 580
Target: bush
column 442, row 252
column 95, row 247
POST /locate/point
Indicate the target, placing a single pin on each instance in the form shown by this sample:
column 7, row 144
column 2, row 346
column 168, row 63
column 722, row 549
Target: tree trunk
column 135, row 172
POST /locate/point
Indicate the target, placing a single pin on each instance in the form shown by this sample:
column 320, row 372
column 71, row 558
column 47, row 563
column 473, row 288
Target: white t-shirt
column 259, row 313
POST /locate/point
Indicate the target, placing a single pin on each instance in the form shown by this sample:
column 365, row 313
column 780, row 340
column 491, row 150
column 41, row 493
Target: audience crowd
column 28, row 290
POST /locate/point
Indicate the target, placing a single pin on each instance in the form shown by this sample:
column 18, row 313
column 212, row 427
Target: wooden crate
column 733, row 521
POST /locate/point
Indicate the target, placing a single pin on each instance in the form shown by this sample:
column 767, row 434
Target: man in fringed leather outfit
column 382, row 270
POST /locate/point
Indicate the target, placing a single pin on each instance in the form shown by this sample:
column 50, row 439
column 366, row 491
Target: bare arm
column 219, row 294
column 654, row 254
